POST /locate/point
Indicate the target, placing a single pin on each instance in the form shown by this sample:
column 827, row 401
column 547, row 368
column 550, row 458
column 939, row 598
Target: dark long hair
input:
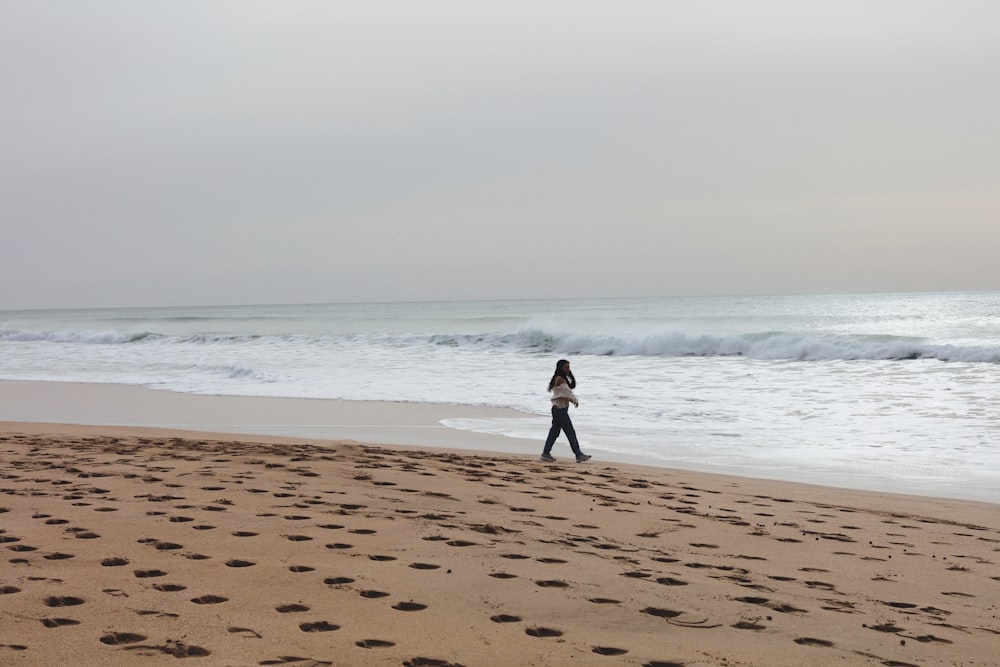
column 564, row 374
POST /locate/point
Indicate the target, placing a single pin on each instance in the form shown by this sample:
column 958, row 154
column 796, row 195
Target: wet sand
column 366, row 421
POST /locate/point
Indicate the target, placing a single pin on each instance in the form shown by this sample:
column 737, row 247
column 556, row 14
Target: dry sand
column 123, row 546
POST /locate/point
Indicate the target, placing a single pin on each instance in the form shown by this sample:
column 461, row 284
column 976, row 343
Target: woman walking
column 562, row 385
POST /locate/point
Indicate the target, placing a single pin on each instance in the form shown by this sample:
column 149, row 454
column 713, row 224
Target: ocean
column 885, row 392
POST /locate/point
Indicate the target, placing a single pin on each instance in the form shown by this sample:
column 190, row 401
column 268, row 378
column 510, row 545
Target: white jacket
column 562, row 396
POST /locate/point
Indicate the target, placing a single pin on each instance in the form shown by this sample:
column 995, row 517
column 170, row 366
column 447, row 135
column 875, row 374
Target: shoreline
column 372, row 422
column 128, row 545
column 327, row 419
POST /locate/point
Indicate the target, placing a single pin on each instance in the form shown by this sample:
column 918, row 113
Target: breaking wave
column 770, row 345
column 79, row 337
column 765, row 346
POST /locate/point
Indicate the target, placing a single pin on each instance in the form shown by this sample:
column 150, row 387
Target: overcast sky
column 187, row 152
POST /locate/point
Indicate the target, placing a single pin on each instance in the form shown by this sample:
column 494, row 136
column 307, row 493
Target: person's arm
column 562, row 390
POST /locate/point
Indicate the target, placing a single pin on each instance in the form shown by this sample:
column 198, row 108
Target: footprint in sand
column 747, row 625
column 901, row 605
column 62, row 601
column 118, row 638
column 409, row 606
column 338, row 581
column 372, row 595
column 670, row 581
column 58, row 622
column 842, row 606
column 661, row 613
column 154, row 612
column 505, row 618
column 810, row 641
column 86, row 535
column 374, row 643
column 169, row 588
column 246, row 632
column 608, row 650
column 764, row 602
column 291, row 608
column 168, row 546
column 176, row 649
column 502, row 575
column 698, row 566
column 210, row 599
column 424, row 566
column 239, row 563
column 146, row 574
column 318, row 626
column 543, row 632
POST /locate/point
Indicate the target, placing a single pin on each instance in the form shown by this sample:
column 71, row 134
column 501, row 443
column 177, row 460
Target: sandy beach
column 126, row 546
column 289, row 289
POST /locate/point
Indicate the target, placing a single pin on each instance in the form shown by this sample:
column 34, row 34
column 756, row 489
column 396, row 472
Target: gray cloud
column 247, row 152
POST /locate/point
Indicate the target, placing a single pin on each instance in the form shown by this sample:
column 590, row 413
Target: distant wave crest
column 126, row 338
column 766, row 345
column 79, row 337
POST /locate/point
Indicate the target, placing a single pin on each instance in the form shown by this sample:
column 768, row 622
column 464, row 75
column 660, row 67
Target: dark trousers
column 561, row 422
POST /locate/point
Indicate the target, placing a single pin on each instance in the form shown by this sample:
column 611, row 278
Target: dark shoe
column 548, row 458
column 582, row 457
